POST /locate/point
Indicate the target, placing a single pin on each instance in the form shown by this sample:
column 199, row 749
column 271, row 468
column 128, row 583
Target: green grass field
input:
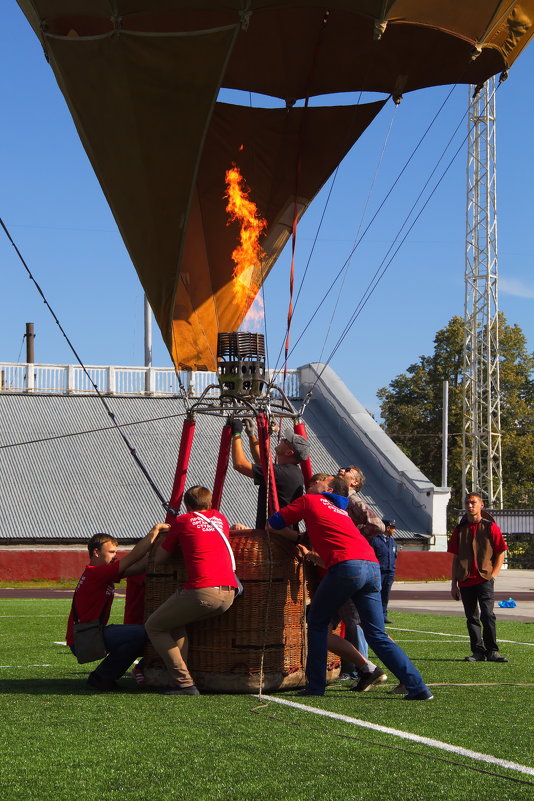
column 59, row 740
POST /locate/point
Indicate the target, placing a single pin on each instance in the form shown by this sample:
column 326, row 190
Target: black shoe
column 96, row 682
column 424, row 695
column 307, row 691
column 387, row 620
column 494, row 656
column 191, row 690
column 368, row 679
column 475, row 658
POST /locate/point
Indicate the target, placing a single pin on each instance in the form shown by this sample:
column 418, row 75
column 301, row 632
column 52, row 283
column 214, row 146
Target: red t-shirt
column 94, row 595
column 330, row 529
column 207, row 560
column 498, row 543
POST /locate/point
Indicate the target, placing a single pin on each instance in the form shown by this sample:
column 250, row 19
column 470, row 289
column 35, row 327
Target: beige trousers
column 166, row 626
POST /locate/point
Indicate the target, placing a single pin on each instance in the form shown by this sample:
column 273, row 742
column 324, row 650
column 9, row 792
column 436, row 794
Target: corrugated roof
column 67, row 473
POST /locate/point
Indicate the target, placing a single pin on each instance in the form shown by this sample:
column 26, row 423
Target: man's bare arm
column 499, row 561
column 253, row 442
column 141, row 548
column 287, row 533
column 239, row 460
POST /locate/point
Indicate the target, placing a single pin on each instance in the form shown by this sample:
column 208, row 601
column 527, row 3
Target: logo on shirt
column 333, row 507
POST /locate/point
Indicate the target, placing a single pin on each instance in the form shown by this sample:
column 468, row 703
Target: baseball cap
column 300, row 445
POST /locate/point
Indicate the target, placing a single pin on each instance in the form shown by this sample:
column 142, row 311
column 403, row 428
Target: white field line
column 2, row 617
column 436, row 642
column 465, row 636
column 23, row 666
column 428, row 741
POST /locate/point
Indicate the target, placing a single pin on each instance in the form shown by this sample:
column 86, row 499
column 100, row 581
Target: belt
column 224, row 587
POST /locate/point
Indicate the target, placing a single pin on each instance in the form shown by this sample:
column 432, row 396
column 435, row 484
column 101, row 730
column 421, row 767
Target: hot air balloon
column 142, row 80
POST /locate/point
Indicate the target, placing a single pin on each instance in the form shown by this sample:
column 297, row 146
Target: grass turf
column 62, row 741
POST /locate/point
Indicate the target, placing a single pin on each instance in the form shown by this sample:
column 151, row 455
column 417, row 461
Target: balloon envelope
column 142, row 82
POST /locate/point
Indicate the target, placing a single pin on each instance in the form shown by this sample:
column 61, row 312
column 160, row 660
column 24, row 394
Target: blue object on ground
column 509, row 604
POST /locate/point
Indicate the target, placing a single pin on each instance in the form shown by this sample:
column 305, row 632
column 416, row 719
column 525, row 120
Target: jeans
column 124, row 644
column 354, row 634
column 387, row 578
column 480, row 595
column 359, row 580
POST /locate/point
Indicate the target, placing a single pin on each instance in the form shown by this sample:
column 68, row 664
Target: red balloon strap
column 186, row 443
column 222, row 465
column 267, row 462
column 306, row 466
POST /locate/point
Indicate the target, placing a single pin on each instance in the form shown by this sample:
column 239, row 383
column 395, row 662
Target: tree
column 411, row 407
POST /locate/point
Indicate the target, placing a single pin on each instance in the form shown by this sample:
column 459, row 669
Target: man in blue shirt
column 385, row 548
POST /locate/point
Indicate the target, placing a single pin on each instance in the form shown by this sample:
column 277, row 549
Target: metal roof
column 67, row 474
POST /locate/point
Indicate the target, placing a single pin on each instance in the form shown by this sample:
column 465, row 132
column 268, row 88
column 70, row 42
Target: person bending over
column 352, row 572
column 202, row 536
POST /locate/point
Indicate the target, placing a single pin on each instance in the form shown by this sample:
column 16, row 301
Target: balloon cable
column 384, row 265
column 362, row 218
column 372, row 220
column 95, row 387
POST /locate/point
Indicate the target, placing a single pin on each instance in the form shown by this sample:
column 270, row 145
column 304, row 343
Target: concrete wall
column 25, row 564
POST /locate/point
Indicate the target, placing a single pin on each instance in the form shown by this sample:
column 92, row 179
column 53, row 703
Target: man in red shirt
column 352, row 572
column 478, row 547
column 210, row 589
column 93, row 598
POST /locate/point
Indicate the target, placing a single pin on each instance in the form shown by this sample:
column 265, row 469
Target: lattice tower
column 481, row 462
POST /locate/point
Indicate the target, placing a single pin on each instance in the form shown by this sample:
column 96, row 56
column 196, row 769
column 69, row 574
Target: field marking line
column 436, row 642
column 404, row 735
column 464, row 636
column 480, row 684
column 23, row 666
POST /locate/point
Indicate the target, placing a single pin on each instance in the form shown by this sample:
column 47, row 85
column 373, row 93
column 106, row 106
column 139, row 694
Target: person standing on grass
column 93, row 598
column 478, row 547
column 352, row 572
column 202, row 536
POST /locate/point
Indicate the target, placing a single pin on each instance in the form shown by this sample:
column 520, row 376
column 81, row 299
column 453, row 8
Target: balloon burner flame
column 248, row 254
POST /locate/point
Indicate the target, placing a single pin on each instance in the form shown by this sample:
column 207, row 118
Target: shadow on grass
column 64, row 686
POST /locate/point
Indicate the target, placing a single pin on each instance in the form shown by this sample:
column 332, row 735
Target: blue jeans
column 387, row 579
column 124, row 644
column 359, row 580
column 354, row 634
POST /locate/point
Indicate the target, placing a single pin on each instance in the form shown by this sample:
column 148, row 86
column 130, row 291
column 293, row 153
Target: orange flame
column 247, row 256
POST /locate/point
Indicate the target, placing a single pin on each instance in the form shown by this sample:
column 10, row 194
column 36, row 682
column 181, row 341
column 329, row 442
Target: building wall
column 27, row 564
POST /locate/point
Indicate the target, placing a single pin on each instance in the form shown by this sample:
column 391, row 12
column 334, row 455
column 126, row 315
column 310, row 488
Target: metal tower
column 481, row 462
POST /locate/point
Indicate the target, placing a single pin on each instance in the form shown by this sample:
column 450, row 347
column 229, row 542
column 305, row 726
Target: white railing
column 112, row 380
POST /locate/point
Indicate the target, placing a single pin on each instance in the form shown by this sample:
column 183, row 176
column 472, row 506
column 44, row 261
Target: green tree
column 411, row 407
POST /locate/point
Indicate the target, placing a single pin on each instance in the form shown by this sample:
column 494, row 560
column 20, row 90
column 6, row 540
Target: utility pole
column 481, row 441
column 148, row 346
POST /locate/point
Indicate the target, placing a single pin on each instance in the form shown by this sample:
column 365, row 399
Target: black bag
column 89, row 642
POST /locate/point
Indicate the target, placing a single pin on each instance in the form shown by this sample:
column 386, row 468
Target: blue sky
column 55, row 211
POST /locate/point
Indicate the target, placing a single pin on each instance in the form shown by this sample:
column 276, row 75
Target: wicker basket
column 260, row 640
